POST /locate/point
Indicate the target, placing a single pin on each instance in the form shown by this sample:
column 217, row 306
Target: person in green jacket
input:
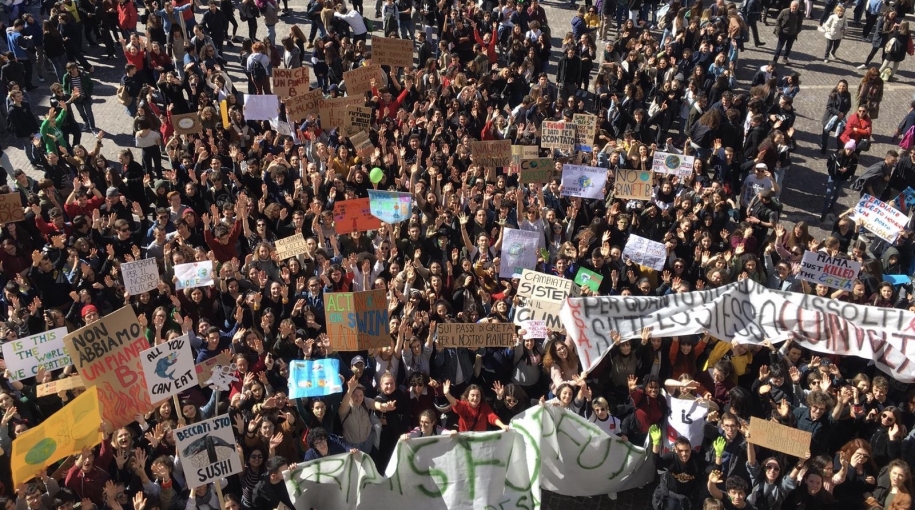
column 51, row 134
column 75, row 80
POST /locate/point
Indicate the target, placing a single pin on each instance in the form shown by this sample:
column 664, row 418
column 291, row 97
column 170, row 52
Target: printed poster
column 389, row 206
column 583, row 181
column 194, row 274
column 169, row 368
column 519, row 251
column 314, row 378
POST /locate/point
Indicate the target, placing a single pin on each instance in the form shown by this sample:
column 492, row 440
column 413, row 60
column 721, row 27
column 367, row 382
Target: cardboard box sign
column 486, row 334
column 778, row 437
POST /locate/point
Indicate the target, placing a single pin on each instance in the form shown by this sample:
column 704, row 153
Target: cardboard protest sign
column 314, row 378
column 207, row 451
column 522, row 152
column 589, row 279
column 55, row 387
column 519, row 250
column 491, row 152
column 535, row 171
column 747, row 312
column 632, row 184
column 261, row 107
column 194, row 274
column 187, row 124
column 585, row 131
column 392, row 52
column 205, row 369
column 354, row 215
column 390, row 206
column 288, row 82
column 583, row 181
column 483, row 334
column 284, row 128
column 359, row 80
column 557, row 135
column 140, row 276
column 291, row 246
column 24, row 356
column 646, row 252
column 169, row 368
column 778, row 437
column 672, row 164
column 65, row 433
column 363, row 145
column 357, row 118
column 11, row 208
column 544, row 295
column 834, row 272
column 107, row 355
column 357, row 320
column 299, row 106
column 333, row 111
column 885, row 221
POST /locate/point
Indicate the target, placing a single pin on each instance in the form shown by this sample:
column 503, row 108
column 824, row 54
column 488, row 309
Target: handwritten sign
column 205, row 369
column 359, row 80
column 194, row 274
column 333, row 111
column 357, row 118
column 362, row 145
column 354, row 215
column 291, row 246
column 885, row 221
column 544, row 294
column 585, row 131
column 357, row 320
column 289, row 82
column 534, row 329
column 207, row 451
column 392, row 52
column 672, row 164
column 583, row 181
column 107, row 355
column 169, row 368
column 645, row 252
column 390, row 206
column 187, row 124
column 55, row 387
column 24, row 356
column 484, row 334
column 140, row 276
column 299, row 106
column 557, row 135
column 536, row 171
column 834, row 272
column 11, row 208
column 520, row 153
column 491, row 152
column 632, row 184
column 778, row 437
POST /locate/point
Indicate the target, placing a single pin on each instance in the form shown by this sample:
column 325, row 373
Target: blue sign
column 390, row 206
column 314, row 378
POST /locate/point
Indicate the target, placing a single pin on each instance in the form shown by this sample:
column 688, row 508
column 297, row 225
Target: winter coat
column 834, row 28
column 835, row 104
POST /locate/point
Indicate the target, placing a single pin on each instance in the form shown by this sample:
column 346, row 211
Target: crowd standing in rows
column 657, row 79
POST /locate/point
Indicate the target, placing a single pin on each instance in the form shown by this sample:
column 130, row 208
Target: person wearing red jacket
column 127, row 17
column 488, row 42
column 86, row 478
column 79, row 203
column 473, row 412
column 387, row 105
column 859, row 127
column 220, row 238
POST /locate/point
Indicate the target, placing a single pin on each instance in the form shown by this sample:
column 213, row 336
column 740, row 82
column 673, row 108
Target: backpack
column 908, row 139
column 369, row 24
column 892, row 46
column 123, row 96
column 259, row 72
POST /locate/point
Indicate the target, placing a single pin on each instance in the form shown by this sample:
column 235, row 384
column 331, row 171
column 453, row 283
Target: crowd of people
column 662, row 80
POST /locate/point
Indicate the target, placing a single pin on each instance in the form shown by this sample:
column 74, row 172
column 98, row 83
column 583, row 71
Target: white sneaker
column 612, row 496
column 41, row 79
column 825, row 60
column 862, row 66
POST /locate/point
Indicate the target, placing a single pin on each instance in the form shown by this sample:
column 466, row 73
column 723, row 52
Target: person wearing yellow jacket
column 741, row 357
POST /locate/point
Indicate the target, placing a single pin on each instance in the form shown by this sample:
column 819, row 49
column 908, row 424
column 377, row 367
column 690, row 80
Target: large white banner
column 834, row 272
column 546, row 447
column 583, row 181
column 882, row 219
column 645, row 252
column 519, row 251
column 24, row 356
column 747, row 312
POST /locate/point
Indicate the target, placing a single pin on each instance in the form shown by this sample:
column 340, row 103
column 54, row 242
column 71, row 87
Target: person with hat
column 841, row 166
column 759, row 180
column 763, row 213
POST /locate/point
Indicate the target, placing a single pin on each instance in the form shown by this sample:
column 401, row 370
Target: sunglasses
column 773, row 467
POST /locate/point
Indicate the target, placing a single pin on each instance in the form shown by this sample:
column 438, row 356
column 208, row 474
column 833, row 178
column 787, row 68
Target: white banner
column 519, row 250
column 882, row 219
column 672, row 164
column 646, row 252
column 24, row 356
column 478, row 470
column 194, row 274
column 207, row 451
column 747, row 312
column 834, row 272
column 140, row 276
column 169, row 368
column 583, row 181
column 687, row 419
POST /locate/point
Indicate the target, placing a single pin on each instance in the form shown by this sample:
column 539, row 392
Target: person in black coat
column 841, row 166
column 20, row 119
column 837, row 105
column 569, row 73
column 215, row 24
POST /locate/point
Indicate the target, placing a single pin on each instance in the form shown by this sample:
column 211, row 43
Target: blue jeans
column 833, row 190
column 84, row 107
column 406, row 29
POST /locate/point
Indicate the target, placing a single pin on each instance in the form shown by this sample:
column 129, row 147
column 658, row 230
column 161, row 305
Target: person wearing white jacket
column 834, row 30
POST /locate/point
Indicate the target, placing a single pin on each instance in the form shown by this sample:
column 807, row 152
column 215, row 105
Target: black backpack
column 259, row 72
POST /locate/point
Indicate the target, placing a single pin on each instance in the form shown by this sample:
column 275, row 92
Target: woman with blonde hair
column 897, row 45
column 834, row 31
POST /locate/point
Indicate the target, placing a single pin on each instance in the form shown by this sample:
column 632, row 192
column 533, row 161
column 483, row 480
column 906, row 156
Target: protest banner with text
column 299, row 106
column 194, row 274
column 288, row 82
column 585, row 131
column 778, row 437
column 646, row 252
column 491, row 152
column 519, row 250
column 169, row 368
column 359, row 80
column 481, row 334
column 333, row 111
column 557, row 135
column 55, row 387
column 140, row 276
column 357, row 320
column 390, row 206
column 107, row 355
column 632, row 184
column 291, row 246
column 207, row 451
column 544, row 294
column 884, row 220
column 834, row 272
column 583, row 181
column 536, row 171
column 354, row 215
column 392, row 52
column 357, row 118
column 24, row 356
column 672, row 164
column 520, row 153
column 11, row 208
column 363, row 145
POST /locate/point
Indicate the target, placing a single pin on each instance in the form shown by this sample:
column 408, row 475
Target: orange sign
column 353, row 215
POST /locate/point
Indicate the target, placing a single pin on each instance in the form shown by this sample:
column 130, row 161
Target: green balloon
column 376, row 175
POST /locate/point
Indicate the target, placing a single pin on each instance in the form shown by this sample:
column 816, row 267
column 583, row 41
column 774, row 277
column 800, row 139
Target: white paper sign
column 583, row 181
column 140, row 276
column 747, row 312
column 519, row 251
column 646, row 252
column 169, row 368
column 884, row 220
column 672, row 164
column 194, row 274
column 834, row 272
column 207, row 451
column 534, row 329
column 261, row 107
column 24, row 356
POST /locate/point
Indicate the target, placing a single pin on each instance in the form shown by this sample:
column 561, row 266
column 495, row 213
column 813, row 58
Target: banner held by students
column 588, row 279
column 748, row 312
column 491, row 152
column 885, row 221
column 646, row 252
column 390, row 206
column 392, row 52
column 261, row 107
column 287, row 82
column 536, row 171
column 205, row 368
column 672, row 164
column 207, row 451
column 583, row 181
column 519, row 250
column 194, row 274
column 24, row 356
column 63, row 384
column 291, row 246
column 140, row 276
column 169, row 368
column 818, row 267
column 359, row 80
column 632, row 184
column 557, row 135
column 544, row 294
column 314, row 378
column 585, row 131
column 480, row 334
column 11, row 208
column 298, row 107
column 357, row 320
column 354, row 216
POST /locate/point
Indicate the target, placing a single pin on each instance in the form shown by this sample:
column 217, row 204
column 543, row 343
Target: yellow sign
column 65, row 433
